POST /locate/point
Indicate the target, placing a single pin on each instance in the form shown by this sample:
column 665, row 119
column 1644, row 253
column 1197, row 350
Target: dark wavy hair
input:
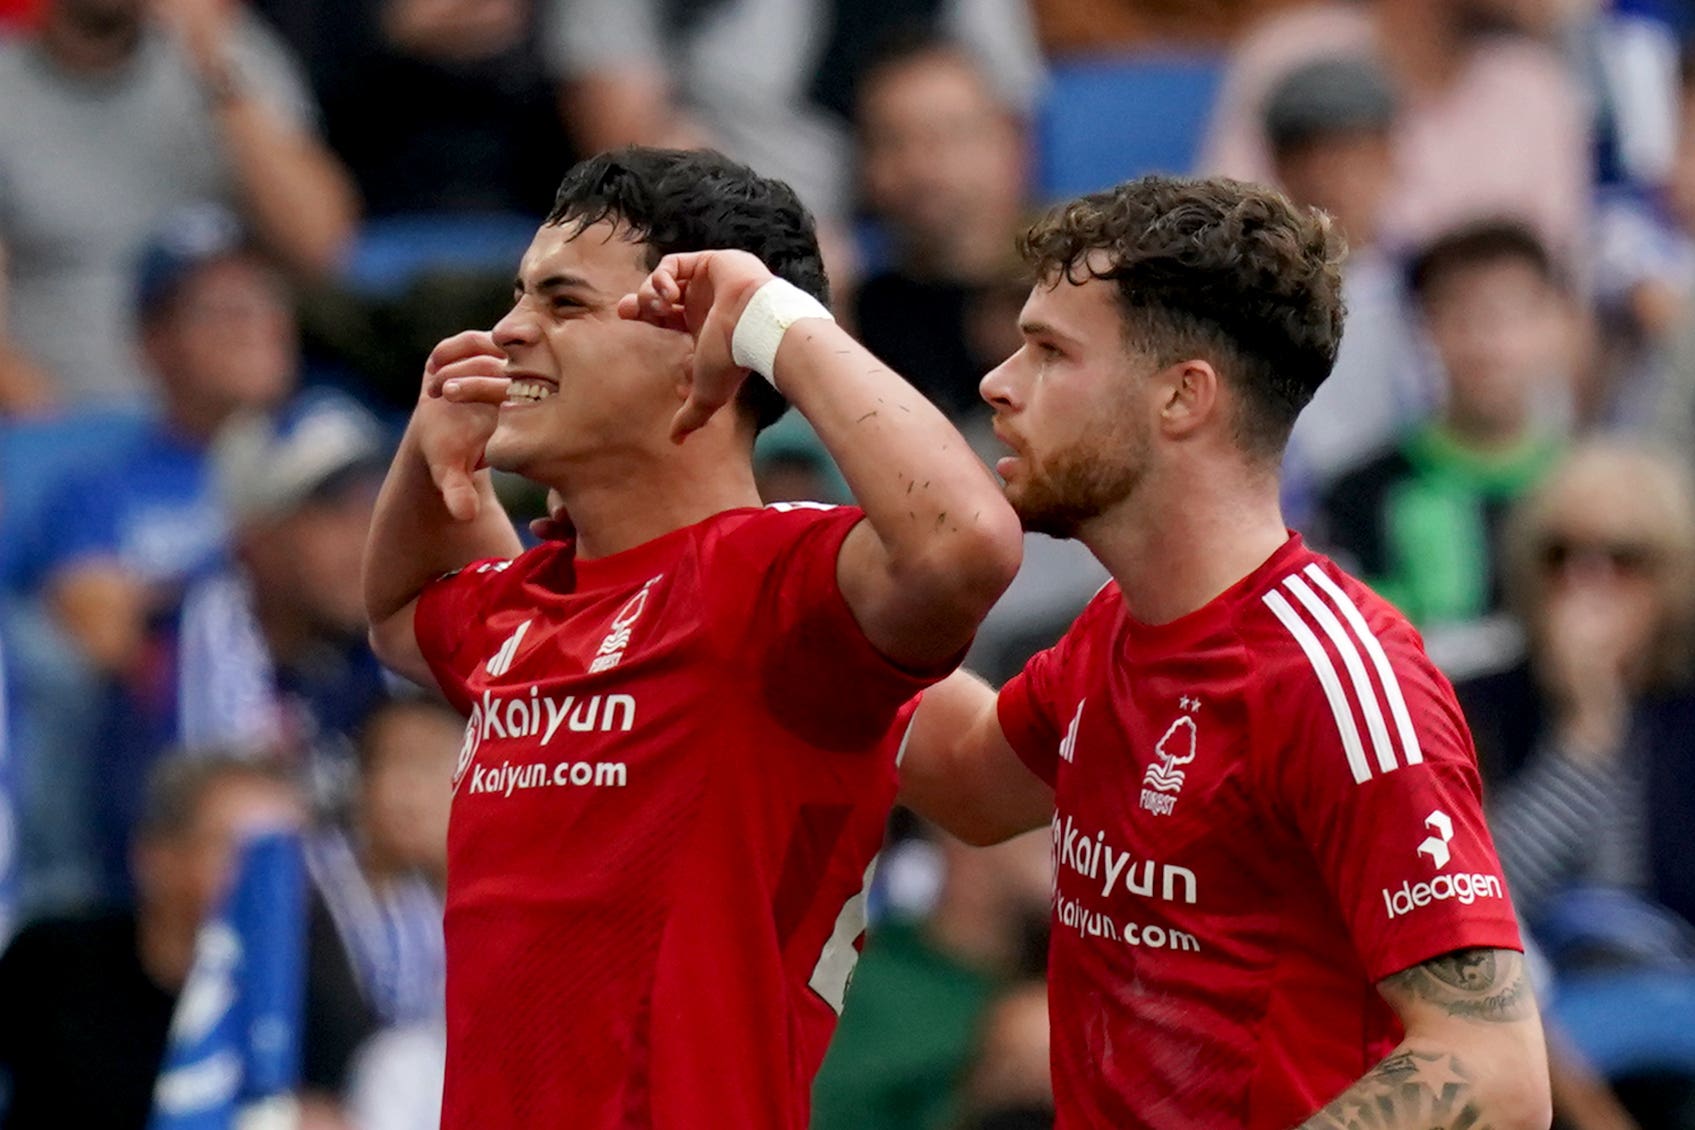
column 1216, row 270
column 675, row 200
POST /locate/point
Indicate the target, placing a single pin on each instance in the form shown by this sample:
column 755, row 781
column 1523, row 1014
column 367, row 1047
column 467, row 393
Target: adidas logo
column 1068, row 744
column 501, row 661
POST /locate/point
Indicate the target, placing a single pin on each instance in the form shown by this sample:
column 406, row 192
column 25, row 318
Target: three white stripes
column 1347, row 640
column 501, row 661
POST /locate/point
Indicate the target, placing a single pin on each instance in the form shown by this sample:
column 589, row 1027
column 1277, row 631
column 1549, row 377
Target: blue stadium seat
column 36, row 454
column 1105, row 119
column 1630, row 1023
column 394, row 250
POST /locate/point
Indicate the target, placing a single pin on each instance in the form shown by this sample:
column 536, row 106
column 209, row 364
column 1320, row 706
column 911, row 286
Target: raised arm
column 939, row 544
column 437, row 510
column 295, row 192
column 1473, row 1055
column 960, row 773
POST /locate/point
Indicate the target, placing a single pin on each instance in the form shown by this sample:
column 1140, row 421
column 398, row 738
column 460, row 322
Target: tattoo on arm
column 1427, row 1088
column 1477, row 984
column 1411, row 1090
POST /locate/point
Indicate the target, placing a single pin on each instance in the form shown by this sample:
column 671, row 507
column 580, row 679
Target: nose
column 518, row 328
column 997, row 387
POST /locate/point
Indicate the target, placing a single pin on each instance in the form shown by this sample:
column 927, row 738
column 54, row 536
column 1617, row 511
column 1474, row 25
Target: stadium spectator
column 382, row 877
column 943, row 163
column 1491, row 124
column 381, row 881
column 1422, row 519
column 1590, row 734
column 1625, row 55
column 85, row 1003
column 434, row 105
column 1008, row 1082
column 944, row 168
column 1329, row 126
column 270, row 653
column 771, row 84
column 986, row 928
column 117, row 540
column 703, row 935
column 118, row 111
column 1176, row 329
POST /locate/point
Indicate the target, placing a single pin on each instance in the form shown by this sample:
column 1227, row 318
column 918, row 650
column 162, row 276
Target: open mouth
column 529, row 390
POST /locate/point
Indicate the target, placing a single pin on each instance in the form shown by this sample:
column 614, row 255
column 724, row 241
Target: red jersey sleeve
column 1036, row 704
column 823, row 680
column 1027, row 716
column 447, row 609
column 1370, row 760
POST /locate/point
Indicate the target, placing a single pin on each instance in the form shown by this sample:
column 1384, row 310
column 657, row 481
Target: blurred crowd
column 231, row 229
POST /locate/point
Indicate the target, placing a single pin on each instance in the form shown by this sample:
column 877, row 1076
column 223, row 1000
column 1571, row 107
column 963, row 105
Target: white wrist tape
column 774, row 307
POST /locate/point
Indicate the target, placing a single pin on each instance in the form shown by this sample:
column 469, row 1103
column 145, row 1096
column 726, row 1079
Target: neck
column 1188, row 539
column 165, row 946
column 85, row 50
column 1429, row 43
column 619, row 506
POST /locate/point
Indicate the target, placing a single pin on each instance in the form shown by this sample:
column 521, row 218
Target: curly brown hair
column 1217, row 270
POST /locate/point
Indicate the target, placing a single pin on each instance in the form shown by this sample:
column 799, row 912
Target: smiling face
column 1076, row 406
column 585, row 381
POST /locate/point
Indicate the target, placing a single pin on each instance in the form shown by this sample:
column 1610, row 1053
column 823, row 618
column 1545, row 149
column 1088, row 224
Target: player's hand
column 464, row 385
column 557, row 526
column 703, row 294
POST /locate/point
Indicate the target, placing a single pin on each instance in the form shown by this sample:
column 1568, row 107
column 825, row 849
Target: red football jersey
column 1262, row 809
column 674, row 782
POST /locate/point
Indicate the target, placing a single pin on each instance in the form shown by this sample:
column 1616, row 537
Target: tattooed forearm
column 1476, row 984
column 1411, row 1090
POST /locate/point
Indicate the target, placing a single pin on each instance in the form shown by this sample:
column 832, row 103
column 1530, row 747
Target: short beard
column 1079, row 484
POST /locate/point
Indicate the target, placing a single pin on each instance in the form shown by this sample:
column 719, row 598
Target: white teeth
column 528, row 392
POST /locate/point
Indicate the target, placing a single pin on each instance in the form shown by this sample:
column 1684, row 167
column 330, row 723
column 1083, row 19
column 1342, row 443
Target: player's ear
column 1189, row 392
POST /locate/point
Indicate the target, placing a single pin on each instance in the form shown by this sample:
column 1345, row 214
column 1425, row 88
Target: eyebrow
column 561, row 281
column 1030, row 327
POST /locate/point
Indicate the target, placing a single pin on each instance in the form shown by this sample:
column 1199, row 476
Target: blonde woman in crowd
column 1592, row 738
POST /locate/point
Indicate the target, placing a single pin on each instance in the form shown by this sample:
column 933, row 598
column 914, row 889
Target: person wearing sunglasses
column 1589, row 738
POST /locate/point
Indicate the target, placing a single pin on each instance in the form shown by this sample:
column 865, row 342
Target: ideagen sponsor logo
column 1467, row 888
column 1436, row 847
column 1095, row 858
